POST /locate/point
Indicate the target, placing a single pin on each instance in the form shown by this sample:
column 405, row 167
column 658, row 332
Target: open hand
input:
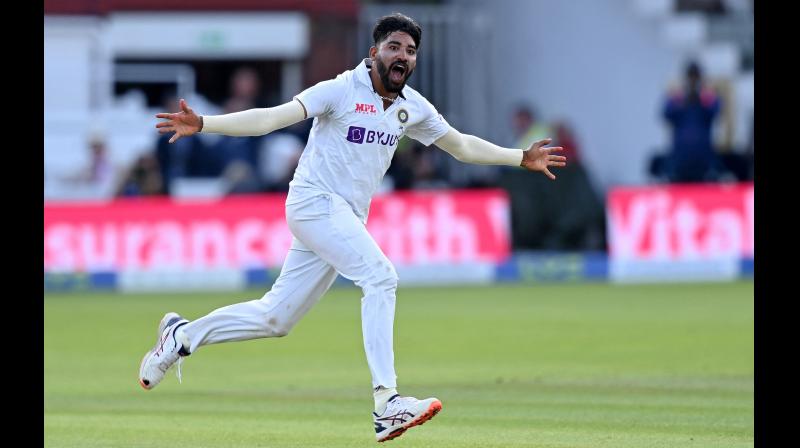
column 183, row 123
column 537, row 158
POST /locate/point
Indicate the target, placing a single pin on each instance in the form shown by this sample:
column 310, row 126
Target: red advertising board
column 251, row 231
column 681, row 222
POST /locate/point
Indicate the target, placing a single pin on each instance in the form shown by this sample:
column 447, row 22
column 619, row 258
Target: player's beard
column 388, row 84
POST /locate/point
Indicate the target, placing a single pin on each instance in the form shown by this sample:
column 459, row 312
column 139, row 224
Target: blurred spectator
column 401, row 171
column 244, row 164
column 100, row 170
column 563, row 136
column 235, row 159
column 187, row 157
column 416, row 166
column 691, row 111
column 424, row 171
column 582, row 225
column 94, row 180
column 527, row 128
column 704, row 6
column 239, row 178
column 233, row 152
column 278, row 155
column 564, row 215
column 255, row 164
column 245, row 89
column 142, row 179
column 428, row 168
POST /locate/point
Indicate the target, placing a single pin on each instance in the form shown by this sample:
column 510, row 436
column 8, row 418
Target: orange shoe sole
column 433, row 409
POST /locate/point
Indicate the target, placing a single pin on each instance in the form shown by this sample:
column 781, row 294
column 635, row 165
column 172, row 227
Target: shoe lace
column 178, row 369
column 395, row 406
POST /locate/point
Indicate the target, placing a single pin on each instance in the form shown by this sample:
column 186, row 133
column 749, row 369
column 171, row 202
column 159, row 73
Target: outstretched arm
column 471, row 149
column 246, row 123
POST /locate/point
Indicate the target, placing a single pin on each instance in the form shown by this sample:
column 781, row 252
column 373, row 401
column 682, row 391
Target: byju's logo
column 359, row 135
column 356, row 134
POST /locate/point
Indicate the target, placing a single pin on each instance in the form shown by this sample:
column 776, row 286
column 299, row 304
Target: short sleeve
column 430, row 128
column 322, row 98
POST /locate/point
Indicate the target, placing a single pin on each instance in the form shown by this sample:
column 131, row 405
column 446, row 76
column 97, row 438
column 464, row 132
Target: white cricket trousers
column 328, row 238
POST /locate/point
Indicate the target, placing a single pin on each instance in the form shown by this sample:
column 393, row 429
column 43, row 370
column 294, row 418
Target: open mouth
column 397, row 72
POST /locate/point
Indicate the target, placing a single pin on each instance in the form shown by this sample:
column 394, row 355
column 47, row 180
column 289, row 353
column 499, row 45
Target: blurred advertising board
column 231, row 238
column 680, row 232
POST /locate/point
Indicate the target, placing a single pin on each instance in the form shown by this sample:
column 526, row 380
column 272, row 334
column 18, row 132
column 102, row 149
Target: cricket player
column 358, row 119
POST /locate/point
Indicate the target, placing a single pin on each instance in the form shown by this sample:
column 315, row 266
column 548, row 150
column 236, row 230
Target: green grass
column 583, row 365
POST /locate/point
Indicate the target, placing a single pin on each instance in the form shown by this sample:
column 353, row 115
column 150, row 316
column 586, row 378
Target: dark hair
column 693, row 69
column 386, row 25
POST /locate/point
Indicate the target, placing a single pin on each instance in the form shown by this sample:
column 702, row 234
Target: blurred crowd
column 241, row 164
column 691, row 111
column 210, row 164
column 565, row 215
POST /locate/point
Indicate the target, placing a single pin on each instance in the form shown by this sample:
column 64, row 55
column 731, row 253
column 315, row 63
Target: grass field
column 585, row 365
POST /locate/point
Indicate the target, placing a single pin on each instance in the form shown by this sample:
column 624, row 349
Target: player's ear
column 373, row 50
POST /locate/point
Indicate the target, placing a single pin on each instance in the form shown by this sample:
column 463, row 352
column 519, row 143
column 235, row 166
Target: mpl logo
column 357, row 134
column 363, row 108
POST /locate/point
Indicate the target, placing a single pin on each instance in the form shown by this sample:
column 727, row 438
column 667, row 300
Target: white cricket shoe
column 166, row 352
column 402, row 413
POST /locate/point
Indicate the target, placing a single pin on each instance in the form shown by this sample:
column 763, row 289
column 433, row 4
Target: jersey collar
column 362, row 73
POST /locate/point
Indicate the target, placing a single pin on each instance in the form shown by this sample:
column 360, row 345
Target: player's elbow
column 459, row 149
column 458, row 156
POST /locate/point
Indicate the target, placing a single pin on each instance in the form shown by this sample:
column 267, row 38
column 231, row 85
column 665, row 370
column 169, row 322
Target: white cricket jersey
column 353, row 138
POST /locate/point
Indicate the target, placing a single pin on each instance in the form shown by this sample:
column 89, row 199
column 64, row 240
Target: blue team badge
column 402, row 115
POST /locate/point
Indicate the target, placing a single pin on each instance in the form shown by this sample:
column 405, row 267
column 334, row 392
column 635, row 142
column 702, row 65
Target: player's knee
column 278, row 328
column 389, row 281
column 383, row 280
